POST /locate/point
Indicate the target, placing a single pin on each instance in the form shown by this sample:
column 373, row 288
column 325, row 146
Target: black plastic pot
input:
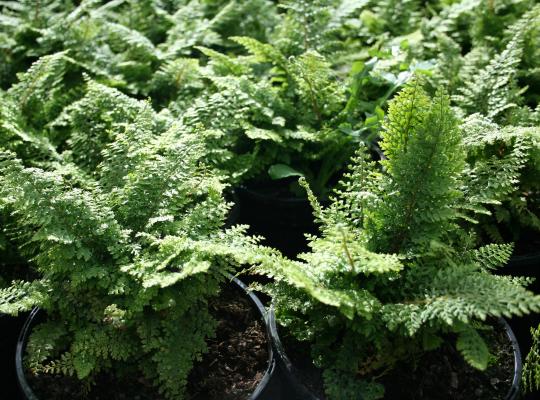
column 269, row 388
column 282, row 221
column 298, row 391
column 10, row 328
column 526, row 264
column 526, row 258
column 531, row 260
column 272, row 211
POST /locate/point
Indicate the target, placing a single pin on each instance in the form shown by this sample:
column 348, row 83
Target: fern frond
column 531, row 368
column 473, row 348
column 494, row 89
column 21, row 296
column 493, row 256
column 94, row 119
column 420, row 139
column 41, row 87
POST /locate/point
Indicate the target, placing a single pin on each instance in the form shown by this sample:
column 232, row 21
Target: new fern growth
column 392, row 269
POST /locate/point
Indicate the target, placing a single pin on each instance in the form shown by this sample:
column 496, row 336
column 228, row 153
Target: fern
column 531, row 368
column 248, row 114
column 121, row 121
column 501, row 171
column 16, row 134
column 494, row 90
column 398, row 17
column 473, row 348
column 391, row 267
column 93, row 120
column 418, row 206
column 136, row 249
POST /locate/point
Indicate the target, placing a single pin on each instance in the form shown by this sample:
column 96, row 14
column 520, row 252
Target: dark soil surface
column 233, row 367
column 237, row 358
column 444, row 375
column 438, row 375
column 50, row 387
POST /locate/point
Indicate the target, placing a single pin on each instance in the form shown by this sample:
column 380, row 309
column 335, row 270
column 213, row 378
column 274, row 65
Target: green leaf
column 264, row 134
column 473, row 348
column 280, row 171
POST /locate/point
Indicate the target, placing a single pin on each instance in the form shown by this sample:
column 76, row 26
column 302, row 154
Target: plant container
column 271, row 210
column 283, row 220
column 269, row 388
column 526, row 263
column 10, row 327
column 299, row 391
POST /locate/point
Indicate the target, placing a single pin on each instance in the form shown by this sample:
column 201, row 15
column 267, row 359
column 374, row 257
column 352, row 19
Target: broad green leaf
column 280, row 171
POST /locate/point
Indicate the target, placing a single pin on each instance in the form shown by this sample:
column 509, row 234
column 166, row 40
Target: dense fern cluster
column 167, row 49
column 392, row 268
column 128, row 228
column 122, row 122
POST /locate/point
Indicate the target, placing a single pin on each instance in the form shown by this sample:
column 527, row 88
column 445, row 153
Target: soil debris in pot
column 236, row 361
column 237, row 357
column 441, row 374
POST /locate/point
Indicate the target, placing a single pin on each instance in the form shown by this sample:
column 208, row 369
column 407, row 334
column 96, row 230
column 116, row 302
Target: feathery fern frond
column 494, row 90
column 531, row 368
column 418, row 208
column 93, row 121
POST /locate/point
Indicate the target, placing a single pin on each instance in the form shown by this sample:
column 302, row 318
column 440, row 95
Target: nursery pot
column 272, row 211
column 269, row 388
column 281, row 220
column 525, row 263
column 299, row 391
column 10, row 328
column 526, row 258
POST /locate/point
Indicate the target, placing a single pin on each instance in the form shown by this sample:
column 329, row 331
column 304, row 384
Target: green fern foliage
column 503, row 171
column 392, row 268
column 421, row 191
column 135, row 248
column 122, row 123
column 494, row 89
column 531, row 368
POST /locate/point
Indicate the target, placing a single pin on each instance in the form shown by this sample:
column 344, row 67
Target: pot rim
column 525, row 260
column 266, row 197
column 265, row 315
column 512, row 393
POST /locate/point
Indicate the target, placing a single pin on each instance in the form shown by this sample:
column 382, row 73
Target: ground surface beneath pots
column 438, row 375
column 233, row 367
